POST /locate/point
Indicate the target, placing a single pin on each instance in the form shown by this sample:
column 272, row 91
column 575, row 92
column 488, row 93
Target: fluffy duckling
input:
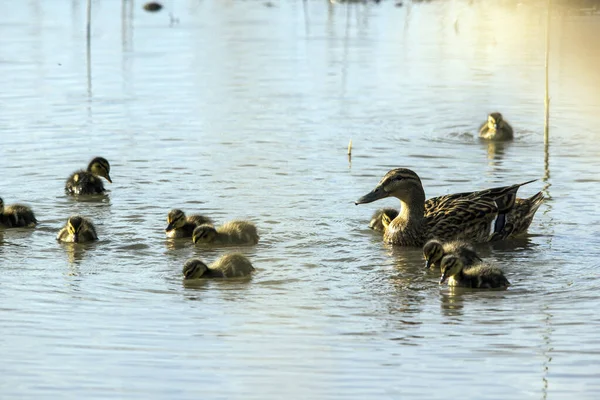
column 434, row 251
column 233, row 265
column 16, row 216
column 88, row 181
column 233, row 232
column 496, row 128
column 382, row 218
column 480, row 276
column 77, row 230
column 181, row 226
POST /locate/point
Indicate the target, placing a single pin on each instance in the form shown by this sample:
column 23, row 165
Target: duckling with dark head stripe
column 85, row 182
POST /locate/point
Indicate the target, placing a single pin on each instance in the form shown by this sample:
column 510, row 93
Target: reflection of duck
column 482, row 216
column 434, row 251
column 233, row 265
column 381, row 218
column 232, row 232
column 496, row 128
column 479, row 276
column 182, row 226
column 16, row 215
column 77, row 230
column 88, row 181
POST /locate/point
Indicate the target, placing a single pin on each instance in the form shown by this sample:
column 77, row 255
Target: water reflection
column 76, row 251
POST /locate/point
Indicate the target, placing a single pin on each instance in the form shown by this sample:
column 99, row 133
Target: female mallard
column 233, row 232
column 233, row 265
column 434, row 251
column 181, row 226
column 482, row 216
column 479, row 276
column 381, row 218
column 496, row 128
column 77, row 230
column 88, row 181
column 16, row 216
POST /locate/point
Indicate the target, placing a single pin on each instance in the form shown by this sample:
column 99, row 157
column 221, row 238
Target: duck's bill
column 108, row 178
column 427, row 264
column 443, row 278
column 375, row 194
column 169, row 228
column 195, row 239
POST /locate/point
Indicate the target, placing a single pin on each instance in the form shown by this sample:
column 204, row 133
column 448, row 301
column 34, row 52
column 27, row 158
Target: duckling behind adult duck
column 233, row 265
column 434, row 251
column 496, row 128
column 77, row 230
column 481, row 216
column 181, row 226
column 381, row 218
column 479, row 276
column 88, row 181
column 233, row 232
column 16, row 216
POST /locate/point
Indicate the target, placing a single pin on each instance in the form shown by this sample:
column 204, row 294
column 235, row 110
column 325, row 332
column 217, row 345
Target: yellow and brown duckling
column 479, row 276
column 16, row 216
column 77, row 230
column 434, row 251
column 231, row 233
column 181, row 226
column 88, row 181
column 381, row 218
column 481, row 216
column 496, row 128
column 233, row 265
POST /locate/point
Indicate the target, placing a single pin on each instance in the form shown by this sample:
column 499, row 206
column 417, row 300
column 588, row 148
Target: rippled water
column 239, row 110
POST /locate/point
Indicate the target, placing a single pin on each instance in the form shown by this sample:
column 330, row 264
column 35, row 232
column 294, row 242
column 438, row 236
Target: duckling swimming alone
column 233, row 265
column 232, row 232
column 496, row 128
column 480, row 276
column 77, row 230
column 88, row 181
column 16, row 216
column 381, row 218
column 434, row 251
column 182, row 226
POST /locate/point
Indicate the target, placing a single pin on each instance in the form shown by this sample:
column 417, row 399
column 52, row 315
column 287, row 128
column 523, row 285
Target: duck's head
column 1, row 205
column 100, row 166
column 399, row 182
column 194, row 269
column 495, row 121
column 451, row 265
column 433, row 252
column 204, row 234
column 74, row 226
column 175, row 220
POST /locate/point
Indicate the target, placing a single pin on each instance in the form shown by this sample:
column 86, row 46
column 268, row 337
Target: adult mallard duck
column 181, row 226
column 482, row 216
column 479, row 276
column 16, row 216
column 434, row 251
column 496, row 128
column 88, row 181
column 381, row 218
column 233, row 265
column 232, row 232
column 77, row 230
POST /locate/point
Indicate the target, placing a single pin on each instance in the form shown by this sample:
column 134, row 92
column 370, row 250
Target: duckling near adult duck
column 496, row 128
column 381, row 218
column 77, row 230
column 233, row 265
column 434, row 251
column 479, row 276
column 232, row 232
column 88, row 181
column 16, row 216
column 182, row 226
column 481, row 216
